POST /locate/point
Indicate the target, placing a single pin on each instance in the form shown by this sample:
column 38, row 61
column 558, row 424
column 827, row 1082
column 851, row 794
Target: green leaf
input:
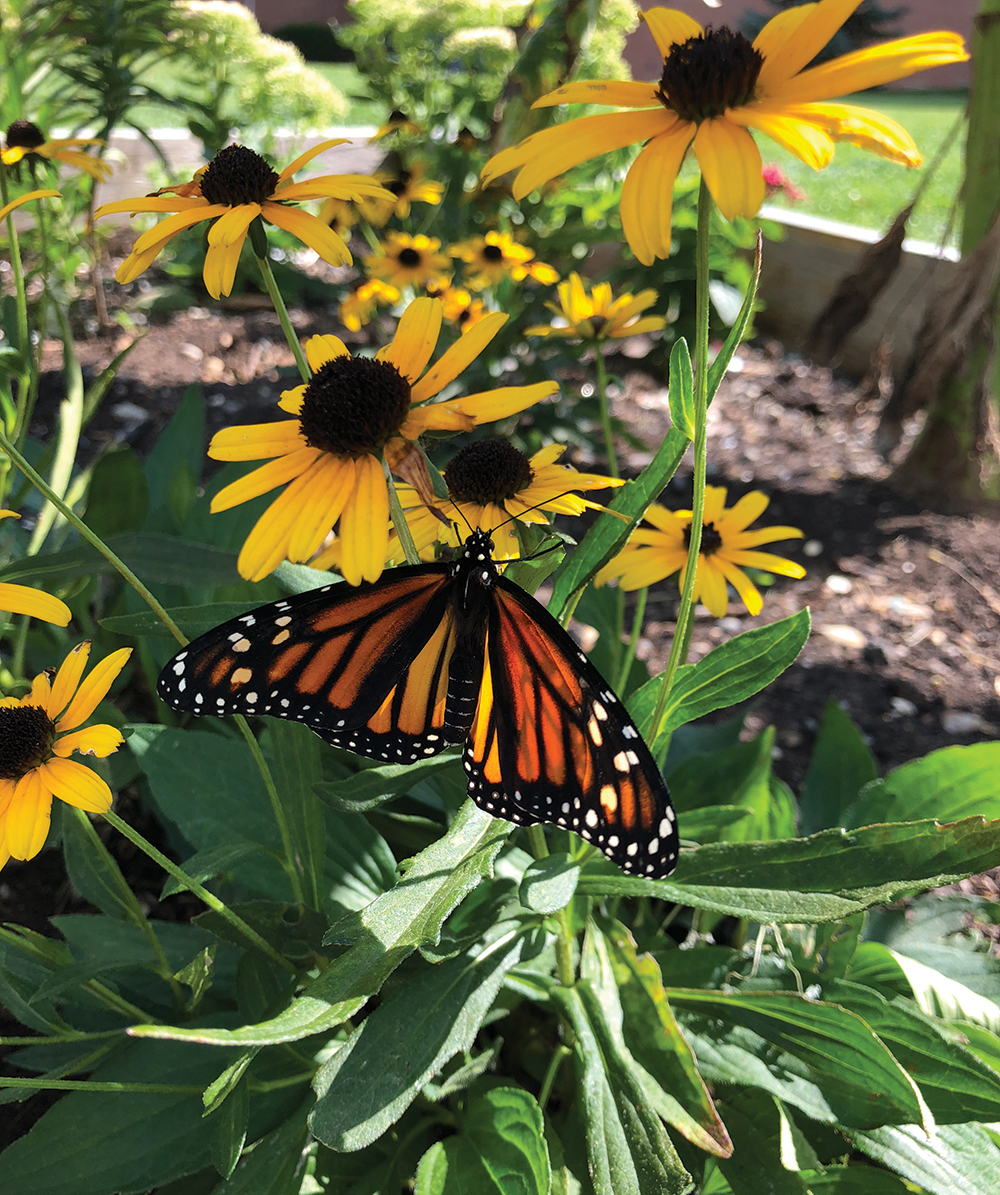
column 154, row 558
column 681, row 388
column 276, row 1165
column 608, row 534
column 764, row 1160
column 955, row 1084
column 938, row 995
column 729, row 674
column 381, row 936
column 230, row 1132
column 117, row 497
column 374, row 786
column 93, row 872
column 840, row 766
column 855, row 1071
column 180, row 447
column 296, row 768
column 548, row 884
column 717, row 370
column 192, row 620
column 628, row 1148
column 371, row 1081
column 216, row 861
column 959, row 1159
column 500, row 1150
column 826, row 877
column 220, row 1089
column 949, row 784
column 198, row 975
column 359, row 864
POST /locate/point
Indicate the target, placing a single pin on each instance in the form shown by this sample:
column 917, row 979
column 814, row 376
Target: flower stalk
column 260, row 253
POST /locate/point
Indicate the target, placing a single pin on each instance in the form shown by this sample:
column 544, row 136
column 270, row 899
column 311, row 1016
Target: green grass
column 859, row 187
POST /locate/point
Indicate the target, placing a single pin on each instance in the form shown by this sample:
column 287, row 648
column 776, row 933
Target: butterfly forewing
column 552, row 740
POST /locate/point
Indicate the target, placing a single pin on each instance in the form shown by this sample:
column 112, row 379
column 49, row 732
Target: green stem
column 555, row 1062
column 191, row 885
column 75, row 521
column 20, row 299
column 602, row 394
column 685, row 614
column 60, row 1039
column 87, row 1085
column 564, row 939
column 282, row 313
column 41, row 315
column 640, row 613
column 399, row 519
column 294, row 876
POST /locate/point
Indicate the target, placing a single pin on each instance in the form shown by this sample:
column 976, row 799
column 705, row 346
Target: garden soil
column 905, row 601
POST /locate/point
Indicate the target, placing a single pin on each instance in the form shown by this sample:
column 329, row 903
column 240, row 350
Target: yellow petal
column 41, row 692
column 554, row 151
column 22, row 599
column 415, row 339
column 613, row 92
column 715, row 504
column 811, row 144
column 498, row 404
column 647, row 194
column 742, row 584
column 67, row 678
column 364, row 525
column 304, row 158
column 267, row 544
column 77, row 785
column 219, row 271
column 175, row 224
column 710, row 587
column 461, row 354
column 291, row 400
column 101, row 740
column 137, row 263
column 16, row 203
column 767, row 563
column 873, row 66
column 865, row 128
column 731, row 165
column 320, row 507
column 277, row 472
column 669, row 26
column 255, row 441
column 310, row 231
column 765, row 535
column 233, row 225
column 321, row 350
column 97, row 168
column 739, row 516
column 153, row 203
column 93, row 690
column 802, row 45
column 28, row 817
column 769, row 42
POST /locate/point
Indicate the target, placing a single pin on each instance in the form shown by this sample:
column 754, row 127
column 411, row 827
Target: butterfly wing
column 367, row 668
column 551, row 742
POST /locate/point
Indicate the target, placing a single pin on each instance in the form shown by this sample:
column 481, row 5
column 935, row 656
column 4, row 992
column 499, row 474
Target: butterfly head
column 479, row 546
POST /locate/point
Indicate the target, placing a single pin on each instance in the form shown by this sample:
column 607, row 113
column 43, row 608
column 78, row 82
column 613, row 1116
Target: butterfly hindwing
column 552, row 741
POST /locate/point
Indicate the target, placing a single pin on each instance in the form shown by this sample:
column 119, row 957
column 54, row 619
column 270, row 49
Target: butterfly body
column 438, row 654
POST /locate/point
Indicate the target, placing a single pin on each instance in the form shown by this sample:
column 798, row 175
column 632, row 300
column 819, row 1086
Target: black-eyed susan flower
column 22, row 599
column 355, row 412
column 360, row 305
column 715, row 86
column 461, row 309
column 25, row 140
column 233, row 190
column 408, row 186
column 727, row 547
column 403, row 260
column 489, row 482
column 38, row 734
column 598, row 315
column 491, row 258
column 338, row 214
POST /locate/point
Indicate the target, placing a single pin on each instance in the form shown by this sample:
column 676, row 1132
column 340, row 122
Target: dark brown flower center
column 26, row 737
column 492, row 253
column 238, row 175
column 711, row 540
column 488, row 471
column 705, row 75
column 353, row 405
column 399, row 185
column 409, row 258
column 25, row 134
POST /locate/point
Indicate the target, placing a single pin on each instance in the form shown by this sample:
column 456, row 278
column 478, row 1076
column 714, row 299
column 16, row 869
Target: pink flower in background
column 776, row 182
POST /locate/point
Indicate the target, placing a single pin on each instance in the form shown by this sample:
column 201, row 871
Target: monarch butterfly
column 435, row 654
